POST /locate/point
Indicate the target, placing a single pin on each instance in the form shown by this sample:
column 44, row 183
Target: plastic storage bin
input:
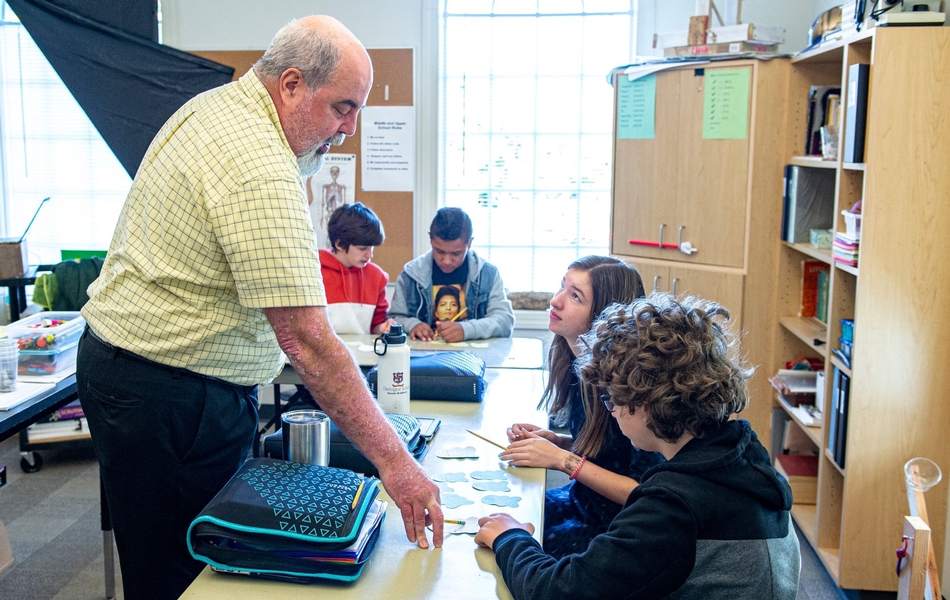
column 852, row 224
column 47, row 331
column 47, row 362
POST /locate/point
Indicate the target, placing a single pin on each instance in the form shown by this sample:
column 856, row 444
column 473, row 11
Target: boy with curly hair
column 712, row 522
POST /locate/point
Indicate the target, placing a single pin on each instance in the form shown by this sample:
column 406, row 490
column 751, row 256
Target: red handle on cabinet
column 656, row 244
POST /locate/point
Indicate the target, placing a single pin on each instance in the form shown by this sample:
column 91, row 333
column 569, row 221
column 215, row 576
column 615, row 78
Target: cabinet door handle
column 684, row 247
column 675, row 281
column 656, row 283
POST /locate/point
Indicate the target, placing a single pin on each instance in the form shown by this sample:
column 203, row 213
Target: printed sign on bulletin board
column 726, row 104
column 636, row 108
column 332, row 187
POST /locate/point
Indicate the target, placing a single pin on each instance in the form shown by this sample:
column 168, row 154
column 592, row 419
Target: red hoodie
column 356, row 297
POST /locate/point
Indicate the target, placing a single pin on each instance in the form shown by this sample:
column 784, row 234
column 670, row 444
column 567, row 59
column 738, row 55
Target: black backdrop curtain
column 127, row 84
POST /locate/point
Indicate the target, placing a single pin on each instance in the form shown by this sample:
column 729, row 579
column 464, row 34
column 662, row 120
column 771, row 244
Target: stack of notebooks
column 844, row 250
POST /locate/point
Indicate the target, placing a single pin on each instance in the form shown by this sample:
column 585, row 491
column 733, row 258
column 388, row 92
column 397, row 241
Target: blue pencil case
column 283, row 520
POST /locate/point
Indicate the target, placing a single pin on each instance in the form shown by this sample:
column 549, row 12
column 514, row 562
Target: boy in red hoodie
column 355, row 287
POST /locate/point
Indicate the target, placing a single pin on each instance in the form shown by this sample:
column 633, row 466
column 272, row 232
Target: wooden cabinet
column 724, row 287
column 717, row 194
column 899, row 401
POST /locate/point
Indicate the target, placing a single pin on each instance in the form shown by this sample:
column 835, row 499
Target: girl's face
column 570, row 307
column 447, row 308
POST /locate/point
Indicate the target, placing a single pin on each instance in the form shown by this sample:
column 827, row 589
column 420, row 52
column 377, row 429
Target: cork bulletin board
column 392, row 86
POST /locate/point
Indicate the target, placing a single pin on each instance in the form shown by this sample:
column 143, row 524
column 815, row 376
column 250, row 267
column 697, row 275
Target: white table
column 397, row 568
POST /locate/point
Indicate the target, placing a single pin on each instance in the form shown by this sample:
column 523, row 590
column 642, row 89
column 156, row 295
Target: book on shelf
column 39, row 432
column 824, row 282
column 845, row 249
column 833, row 411
column 801, row 471
column 818, row 106
column 808, row 203
column 811, row 289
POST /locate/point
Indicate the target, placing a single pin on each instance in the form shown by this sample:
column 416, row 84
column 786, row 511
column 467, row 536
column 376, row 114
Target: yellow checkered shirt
column 215, row 228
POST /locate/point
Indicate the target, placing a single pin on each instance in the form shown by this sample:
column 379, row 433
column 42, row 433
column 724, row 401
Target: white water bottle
column 392, row 371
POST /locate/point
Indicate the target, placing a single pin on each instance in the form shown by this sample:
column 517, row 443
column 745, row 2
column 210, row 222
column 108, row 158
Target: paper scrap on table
column 510, row 501
column 491, row 486
column 455, row 501
column 479, row 345
column 444, row 487
column 470, row 526
column 450, row 477
column 497, row 474
column 466, row 452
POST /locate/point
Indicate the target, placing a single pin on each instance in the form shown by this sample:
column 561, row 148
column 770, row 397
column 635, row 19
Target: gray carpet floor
column 52, row 517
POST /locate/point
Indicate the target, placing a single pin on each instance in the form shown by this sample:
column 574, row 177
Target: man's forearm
column 327, row 368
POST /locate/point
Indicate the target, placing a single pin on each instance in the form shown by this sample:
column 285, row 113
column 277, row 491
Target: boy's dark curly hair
column 675, row 358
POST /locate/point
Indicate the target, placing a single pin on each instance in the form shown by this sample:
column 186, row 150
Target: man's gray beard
column 310, row 163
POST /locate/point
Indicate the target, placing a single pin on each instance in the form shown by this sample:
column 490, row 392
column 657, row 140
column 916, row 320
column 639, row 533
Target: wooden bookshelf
column 899, row 401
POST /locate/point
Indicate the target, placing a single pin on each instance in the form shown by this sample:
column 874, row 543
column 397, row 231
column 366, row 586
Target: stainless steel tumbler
column 306, row 436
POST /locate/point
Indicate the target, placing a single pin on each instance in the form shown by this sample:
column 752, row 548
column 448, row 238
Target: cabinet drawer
column 724, row 288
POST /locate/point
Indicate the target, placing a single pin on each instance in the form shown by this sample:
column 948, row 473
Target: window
column 526, row 126
column 48, row 147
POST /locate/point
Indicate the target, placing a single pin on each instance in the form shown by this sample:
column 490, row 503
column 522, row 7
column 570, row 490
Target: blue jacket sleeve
column 499, row 321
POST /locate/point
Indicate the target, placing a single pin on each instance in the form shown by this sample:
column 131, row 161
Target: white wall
column 662, row 16
column 243, row 25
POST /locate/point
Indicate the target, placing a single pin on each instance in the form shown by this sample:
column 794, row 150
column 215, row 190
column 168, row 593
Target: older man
column 211, row 272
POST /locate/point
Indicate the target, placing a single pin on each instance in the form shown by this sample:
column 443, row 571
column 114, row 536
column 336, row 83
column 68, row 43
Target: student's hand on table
column 384, row 326
column 422, row 332
column 535, row 451
column 418, row 500
column 450, row 331
column 519, row 431
column 495, row 524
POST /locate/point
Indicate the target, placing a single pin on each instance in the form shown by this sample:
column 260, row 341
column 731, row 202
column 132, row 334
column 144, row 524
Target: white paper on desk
column 24, row 391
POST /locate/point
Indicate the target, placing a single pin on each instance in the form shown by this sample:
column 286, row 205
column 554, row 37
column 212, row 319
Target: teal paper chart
column 636, row 108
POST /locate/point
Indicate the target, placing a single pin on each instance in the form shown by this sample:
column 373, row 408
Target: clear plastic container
column 48, row 330
column 47, row 362
column 852, row 224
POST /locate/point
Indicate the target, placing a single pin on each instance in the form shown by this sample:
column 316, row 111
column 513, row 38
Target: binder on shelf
column 833, row 411
column 856, row 113
column 809, row 202
column 841, row 437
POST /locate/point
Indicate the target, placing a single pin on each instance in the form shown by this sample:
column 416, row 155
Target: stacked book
column 844, row 250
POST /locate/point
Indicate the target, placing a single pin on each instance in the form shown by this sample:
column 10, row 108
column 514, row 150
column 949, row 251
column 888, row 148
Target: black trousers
column 167, row 440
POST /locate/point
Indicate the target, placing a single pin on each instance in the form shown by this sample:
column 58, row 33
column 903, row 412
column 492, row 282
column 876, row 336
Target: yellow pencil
column 492, row 442
column 460, row 313
column 454, row 521
column 356, row 496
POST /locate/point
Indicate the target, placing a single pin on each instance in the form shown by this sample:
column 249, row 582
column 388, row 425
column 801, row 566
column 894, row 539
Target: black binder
column 856, row 113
